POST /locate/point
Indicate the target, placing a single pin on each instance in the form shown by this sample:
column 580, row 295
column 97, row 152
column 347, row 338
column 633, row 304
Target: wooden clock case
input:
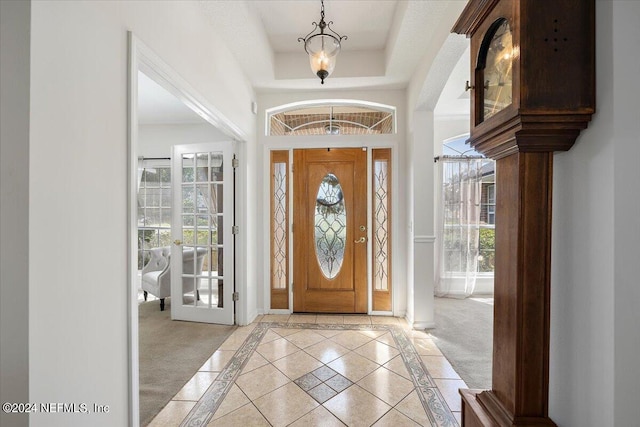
column 552, row 101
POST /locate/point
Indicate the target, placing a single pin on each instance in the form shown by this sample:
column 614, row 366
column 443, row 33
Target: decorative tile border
column 432, row 400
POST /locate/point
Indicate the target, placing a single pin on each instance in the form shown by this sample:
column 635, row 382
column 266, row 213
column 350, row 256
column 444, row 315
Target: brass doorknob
column 361, row 240
column 177, row 242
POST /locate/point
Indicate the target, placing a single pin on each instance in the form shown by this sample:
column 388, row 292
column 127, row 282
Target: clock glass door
column 498, row 67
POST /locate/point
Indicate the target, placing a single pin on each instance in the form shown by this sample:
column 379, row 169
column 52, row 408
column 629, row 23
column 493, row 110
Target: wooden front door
column 330, row 233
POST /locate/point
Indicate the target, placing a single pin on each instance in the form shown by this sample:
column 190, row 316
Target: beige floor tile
column 283, row 332
column 285, row 405
column 426, row 347
column 217, row 361
column 349, row 406
column 269, row 318
column 386, row 385
column 397, row 366
column 318, row 417
column 257, row 319
column 412, row 408
column 357, row 320
column 377, row 352
column 254, row 362
column 270, row 336
column 261, row 381
column 350, row 339
column 276, row 349
column 387, row 339
column 326, row 351
column 330, row 319
column 372, row 334
column 304, row 338
column 196, row 386
column 394, row 418
column 403, row 323
column 419, row 334
column 328, row 333
column 172, row 414
column 297, row 364
column 353, row 366
column 439, row 367
column 449, row 390
column 303, row 318
column 246, row 415
column 232, row 401
column 235, row 341
column 384, row 320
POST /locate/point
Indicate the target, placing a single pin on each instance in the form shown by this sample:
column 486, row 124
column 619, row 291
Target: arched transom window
column 335, row 117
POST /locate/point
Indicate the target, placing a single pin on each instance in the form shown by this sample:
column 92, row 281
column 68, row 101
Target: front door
column 330, row 230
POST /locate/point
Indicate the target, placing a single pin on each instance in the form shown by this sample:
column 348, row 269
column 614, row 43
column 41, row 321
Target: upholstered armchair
column 156, row 274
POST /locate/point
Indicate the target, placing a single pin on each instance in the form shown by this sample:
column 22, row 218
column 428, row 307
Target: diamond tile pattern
column 323, row 383
column 305, row 370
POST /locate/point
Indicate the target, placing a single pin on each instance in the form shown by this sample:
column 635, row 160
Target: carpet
column 170, row 353
column 464, row 332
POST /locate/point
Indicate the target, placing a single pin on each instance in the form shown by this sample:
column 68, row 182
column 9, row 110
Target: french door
column 202, row 252
column 330, row 230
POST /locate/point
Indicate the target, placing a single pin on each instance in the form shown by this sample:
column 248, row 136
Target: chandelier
column 322, row 47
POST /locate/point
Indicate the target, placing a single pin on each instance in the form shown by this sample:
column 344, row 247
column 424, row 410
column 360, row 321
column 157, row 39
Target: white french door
column 202, row 252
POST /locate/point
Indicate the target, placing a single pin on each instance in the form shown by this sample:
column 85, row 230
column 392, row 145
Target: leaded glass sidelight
column 381, row 228
column 279, row 229
column 330, row 226
column 279, row 238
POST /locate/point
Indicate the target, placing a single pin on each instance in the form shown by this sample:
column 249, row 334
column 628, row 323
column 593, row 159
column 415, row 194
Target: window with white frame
column 154, row 208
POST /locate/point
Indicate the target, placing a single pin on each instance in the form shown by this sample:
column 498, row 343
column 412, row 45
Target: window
column 154, row 208
column 337, row 117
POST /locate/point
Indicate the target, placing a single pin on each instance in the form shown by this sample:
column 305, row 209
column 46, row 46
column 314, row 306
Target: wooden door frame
column 289, row 143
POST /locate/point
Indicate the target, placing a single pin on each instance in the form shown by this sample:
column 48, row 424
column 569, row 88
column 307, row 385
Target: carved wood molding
column 530, row 133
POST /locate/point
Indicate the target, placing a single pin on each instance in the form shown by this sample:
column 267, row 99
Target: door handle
column 177, row 242
column 361, row 240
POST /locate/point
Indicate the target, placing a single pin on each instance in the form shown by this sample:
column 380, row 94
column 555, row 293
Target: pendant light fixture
column 322, row 48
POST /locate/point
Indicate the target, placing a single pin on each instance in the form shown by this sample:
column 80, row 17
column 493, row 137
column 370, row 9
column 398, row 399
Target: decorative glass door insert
column 330, row 226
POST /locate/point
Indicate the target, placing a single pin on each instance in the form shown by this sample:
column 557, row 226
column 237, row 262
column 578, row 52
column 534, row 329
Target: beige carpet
column 170, row 353
column 464, row 329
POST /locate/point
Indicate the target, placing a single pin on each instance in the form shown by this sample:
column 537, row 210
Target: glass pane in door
column 202, row 213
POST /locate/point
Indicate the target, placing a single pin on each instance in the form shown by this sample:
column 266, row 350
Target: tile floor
column 320, row 370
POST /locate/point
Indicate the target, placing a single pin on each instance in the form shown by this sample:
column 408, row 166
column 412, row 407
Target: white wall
column 626, row 39
column 78, row 185
column 594, row 377
column 156, row 140
column 14, row 202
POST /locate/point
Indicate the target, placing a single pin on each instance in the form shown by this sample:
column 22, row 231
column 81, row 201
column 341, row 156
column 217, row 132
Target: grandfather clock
column 533, row 91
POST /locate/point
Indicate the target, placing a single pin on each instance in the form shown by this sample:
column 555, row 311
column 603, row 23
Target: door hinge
column 236, row 296
column 292, row 227
column 235, row 229
column 235, row 162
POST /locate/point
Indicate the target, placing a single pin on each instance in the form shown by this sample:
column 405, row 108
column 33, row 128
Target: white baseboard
column 418, row 326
